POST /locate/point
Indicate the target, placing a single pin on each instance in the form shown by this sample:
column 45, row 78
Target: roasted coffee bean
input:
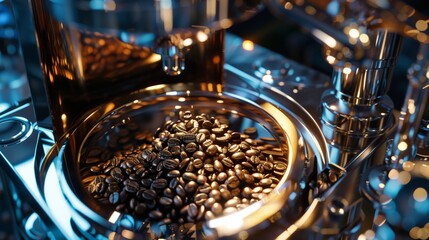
column 159, row 183
column 140, row 209
column 238, row 156
column 180, row 191
column 221, row 177
column 178, row 202
column 165, row 201
column 209, row 167
column 201, row 179
column 114, row 187
column 200, row 137
column 200, row 198
column 217, row 165
column 149, row 194
column 191, row 186
column 192, row 210
column 227, row 162
column 114, row 198
column 146, row 182
column 168, row 193
column 170, row 164
column 189, row 176
column 184, row 163
column 174, row 142
column 211, row 150
column 217, row 209
column 225, row 194
column 280, row 166
column 173, row 173
column 131, row 186
column 232, row 182
column 247, row 192
column 156, row 214
column 205, row 188
column 191, row 147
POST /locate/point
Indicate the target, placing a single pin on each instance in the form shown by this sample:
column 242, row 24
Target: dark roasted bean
column 149, row 194
column 191, row 186
column 178, row 202
column 114, row 198
column 171, row 164
column 156, row 214
column 165, row 201
column 131, row 186
column 192, row 210
column 160, row 183
column 191, row 147
column 180, row 191
column 173, row 173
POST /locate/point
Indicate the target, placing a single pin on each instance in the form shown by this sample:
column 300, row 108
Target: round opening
column 140, row 165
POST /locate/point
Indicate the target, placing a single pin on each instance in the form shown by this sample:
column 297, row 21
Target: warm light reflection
column 187, row 42
column 402, row 146
column 202, row 36
column 177, row 107
column 411, row 106
column 156, row 87
column 248, row 45
column 393, row 174
column 404, row 178
column 347, row 70
column 420, row 194
column 288, row 6
column 421, row 25
column 182, row 99
column 364, row 38
column 354, row 33
column 330, row 59
column 325, row 38
column 310, row 10
column 64, row 120
column 171, row 93
column 219, row 101
column 408, row 166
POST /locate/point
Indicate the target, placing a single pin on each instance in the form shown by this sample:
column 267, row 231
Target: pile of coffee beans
column 195, row 168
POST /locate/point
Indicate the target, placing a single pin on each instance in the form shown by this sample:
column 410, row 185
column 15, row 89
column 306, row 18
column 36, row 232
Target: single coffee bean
column 189, row 176
column 217, row 209
column 165, row 201
column 159, row 183
column 178, row 202
column 232, row 182
column 191, row 186
column 238, row 156
column 114, row 198
column 149, row 194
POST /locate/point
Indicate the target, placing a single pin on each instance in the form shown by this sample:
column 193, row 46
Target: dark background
column 292, row 41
